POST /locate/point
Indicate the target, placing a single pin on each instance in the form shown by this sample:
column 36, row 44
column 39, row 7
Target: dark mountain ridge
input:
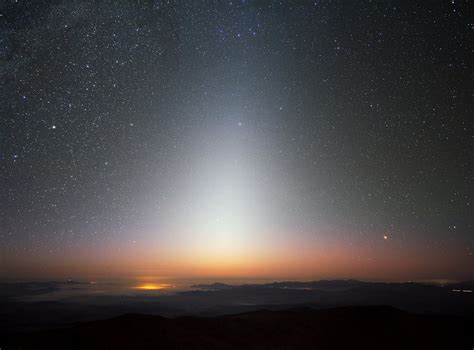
column 354, row 327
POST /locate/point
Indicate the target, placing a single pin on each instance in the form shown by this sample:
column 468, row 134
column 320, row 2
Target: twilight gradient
column 242, row 139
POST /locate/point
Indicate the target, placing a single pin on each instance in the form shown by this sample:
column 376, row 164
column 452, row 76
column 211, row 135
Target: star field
column 161, row 124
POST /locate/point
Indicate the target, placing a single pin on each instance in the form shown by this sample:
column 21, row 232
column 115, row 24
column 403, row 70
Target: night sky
column 292, row 139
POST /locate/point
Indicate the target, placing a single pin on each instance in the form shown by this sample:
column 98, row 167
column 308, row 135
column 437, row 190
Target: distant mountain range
column 328, row 285
column 19, row 312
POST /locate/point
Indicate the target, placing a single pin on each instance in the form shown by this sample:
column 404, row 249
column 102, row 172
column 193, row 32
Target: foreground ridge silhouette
column 352, row 327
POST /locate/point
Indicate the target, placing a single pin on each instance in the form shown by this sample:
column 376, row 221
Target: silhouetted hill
column 465, row 285
column 21, row 310
column 359, row 327
column 329, row 285
column 213, row 286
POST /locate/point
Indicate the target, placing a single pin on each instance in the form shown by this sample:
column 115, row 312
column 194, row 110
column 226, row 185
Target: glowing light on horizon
column 153, row 286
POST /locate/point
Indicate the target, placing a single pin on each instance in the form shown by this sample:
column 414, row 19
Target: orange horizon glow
column 304, row 259
column 338, row 263
column 153, row 286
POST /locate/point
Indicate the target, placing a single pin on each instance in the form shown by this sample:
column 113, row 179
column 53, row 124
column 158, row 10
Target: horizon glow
column 235, row 141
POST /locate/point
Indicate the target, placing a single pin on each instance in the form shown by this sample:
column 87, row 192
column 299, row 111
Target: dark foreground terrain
column 359, row 327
